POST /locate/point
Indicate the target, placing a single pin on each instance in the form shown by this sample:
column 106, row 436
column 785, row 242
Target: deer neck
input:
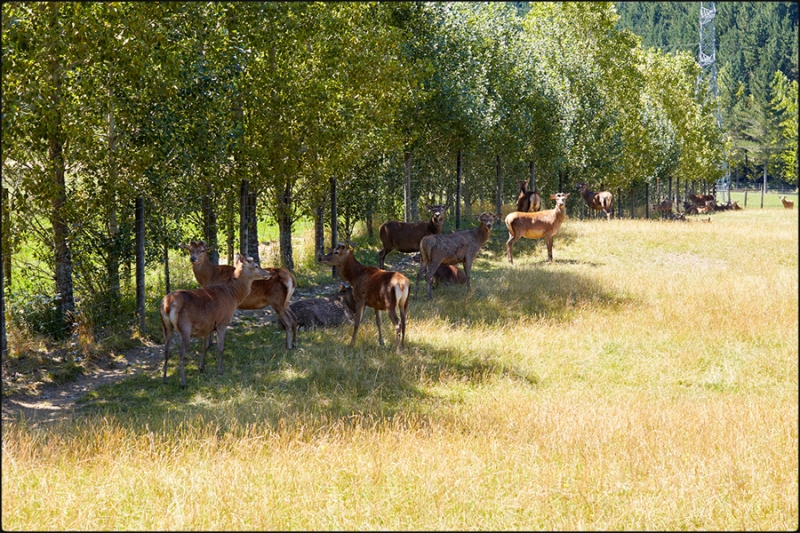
column 240, row 287
column 203, row 270
column 351, row 269
column 482, row 233
column 433, row 227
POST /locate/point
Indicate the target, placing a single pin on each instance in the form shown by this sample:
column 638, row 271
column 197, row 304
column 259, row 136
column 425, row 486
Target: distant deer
column 201, row 312
column 699, row 199
column 599, row 201
column 528, row 200
column 665, row 207
column 405, row 236
column 372, row 287
column 276, row 291
column 537, row 225
column 787, row 203
column 459, row 247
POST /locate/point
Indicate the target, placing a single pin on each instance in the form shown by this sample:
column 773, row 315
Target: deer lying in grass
column 326, row 311
column 375, row 288
column 449, row 274
column 736, row 207
column 276, row 291
column 405, row 236
column 537, row 225
column 458, row 247
column 201, row 312
column 599, row 201
column 528, row 200
column 788, row 204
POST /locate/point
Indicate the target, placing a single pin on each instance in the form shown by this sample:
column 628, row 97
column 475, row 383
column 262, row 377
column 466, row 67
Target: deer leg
column 357, row 321
column 220, row 346
column 167, row 341
column 382, row 256
column 419, row 274
column 467, row 270
column 286, row 320
column 378, row 323
column 293, row 319
column 549, row 240
column 399, row 326
column 509, row 243
column 429, row 272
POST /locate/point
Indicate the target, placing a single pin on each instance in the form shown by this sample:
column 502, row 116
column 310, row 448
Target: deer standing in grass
column 201, row 312
column 788, row 204
column 372, row 287
column 528, row 200
column 405, row 236
column 599, row 201
column 537, row 225
column 276, row 291
column 459, row 247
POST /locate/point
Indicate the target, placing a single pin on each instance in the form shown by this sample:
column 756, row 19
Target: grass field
column 647, row 379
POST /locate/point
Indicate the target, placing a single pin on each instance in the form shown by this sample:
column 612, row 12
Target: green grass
column 647, row 379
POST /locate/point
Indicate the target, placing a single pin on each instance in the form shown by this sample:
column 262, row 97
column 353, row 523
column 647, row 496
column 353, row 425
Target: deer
column 599, row 201
column 459, row 247
column 373, row 287
column 405, row 236
column 276, row 291
column 698, row 199
column 449, row 274
column 665, row 207
column 788, row 204
column 528, row 200
column 537, row 225
column 326, row 311
column 200, row 312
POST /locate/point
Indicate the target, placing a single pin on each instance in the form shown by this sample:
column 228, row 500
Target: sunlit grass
column 647, row 379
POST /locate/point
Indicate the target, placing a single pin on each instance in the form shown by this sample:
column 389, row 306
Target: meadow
column 646, row 379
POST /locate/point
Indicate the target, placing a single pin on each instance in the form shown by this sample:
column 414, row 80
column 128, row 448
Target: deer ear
column 183, row 246
column 567, row 195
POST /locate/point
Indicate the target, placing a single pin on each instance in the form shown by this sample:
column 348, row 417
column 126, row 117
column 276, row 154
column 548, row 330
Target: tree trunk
column 210, row 224
column 407, row 188
column 252, row 229
column 230, row 232
column 370, row 231
column 499, row 196
column 334, row 222
column 6, row 238
column 166, row 269
column 764, row 185
column 285, row 227
column 243, row 217
column 459, row 170
column 139, row 221
column 532, row 183
column 63, row 257
column 319, row 231
column 632, row 206
column 646, row 200
column 112, row 227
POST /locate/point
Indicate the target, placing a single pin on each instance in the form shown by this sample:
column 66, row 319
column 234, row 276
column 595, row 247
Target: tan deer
column 537, row 225
column 201, row 312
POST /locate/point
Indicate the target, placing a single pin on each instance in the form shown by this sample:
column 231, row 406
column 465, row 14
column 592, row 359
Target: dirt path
column 55, row 402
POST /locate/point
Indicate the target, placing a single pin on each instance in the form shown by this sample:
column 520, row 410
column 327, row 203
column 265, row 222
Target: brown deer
column 537, row 225
column 276, row 291
column 528, row 200
column 599, row 201
column 459, row 247
column 449, row 274
column 326, row 311
column 788, row 204
column 405, row 236
column 201, row 312
column 372, row 287
column 665, row 207
column 698, row 199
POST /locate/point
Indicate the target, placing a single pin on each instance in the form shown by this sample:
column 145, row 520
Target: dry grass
column 648, row 379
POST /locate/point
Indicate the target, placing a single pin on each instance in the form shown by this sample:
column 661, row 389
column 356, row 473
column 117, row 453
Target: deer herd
column 245, row 285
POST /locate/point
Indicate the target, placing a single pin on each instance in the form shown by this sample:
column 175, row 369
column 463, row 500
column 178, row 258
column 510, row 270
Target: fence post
column 407, row 185
column 745, row 197
column 140, row 262
column 764, row 186
column 647, row 200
